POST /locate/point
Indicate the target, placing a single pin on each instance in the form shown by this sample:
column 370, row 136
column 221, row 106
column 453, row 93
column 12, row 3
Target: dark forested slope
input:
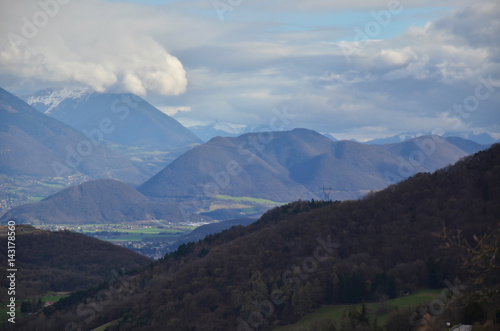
column 306, row 254
column 63, row 261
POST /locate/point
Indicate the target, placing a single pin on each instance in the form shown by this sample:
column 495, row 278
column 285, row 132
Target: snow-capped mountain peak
column 48, row 99
column 483, row 138
column 230, row 128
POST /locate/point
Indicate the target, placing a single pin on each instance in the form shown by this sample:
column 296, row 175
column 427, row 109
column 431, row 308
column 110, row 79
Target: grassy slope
column 249, row 199
column 48, row 297
column 336, row 312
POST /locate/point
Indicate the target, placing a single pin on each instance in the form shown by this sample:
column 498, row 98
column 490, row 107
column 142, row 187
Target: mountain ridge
column 480, row 138
column 132, row 121
column 59, row 149
column 298, row 164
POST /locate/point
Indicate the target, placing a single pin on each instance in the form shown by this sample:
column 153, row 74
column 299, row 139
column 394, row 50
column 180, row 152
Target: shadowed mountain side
column 16, row 145
column 64, row 261
column 424, row 153
column 303, row 255
column 104, row 201
column 348, row 169
column 34, row 144
column 135, row 122
column 297, row 164
column 468, row 146
column 287, row 148
column 221, row 166
column 330, row 178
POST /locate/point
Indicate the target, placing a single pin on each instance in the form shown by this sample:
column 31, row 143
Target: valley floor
column 151, row 240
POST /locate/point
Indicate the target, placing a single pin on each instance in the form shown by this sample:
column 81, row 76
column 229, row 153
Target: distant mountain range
column 123, row 119
column 104, row 201
column 277, row 166
column 285, row 166
column 299, row 164
column 219, row 128
column 480, row 138
column 84, row 109
column 34, row 144
column 225, row 129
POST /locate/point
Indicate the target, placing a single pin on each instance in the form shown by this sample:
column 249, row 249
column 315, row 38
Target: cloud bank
column 347, row 69
column 409, row 82
column 88, row 43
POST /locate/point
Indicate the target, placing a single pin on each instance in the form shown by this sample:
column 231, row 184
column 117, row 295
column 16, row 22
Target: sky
column 365, row 69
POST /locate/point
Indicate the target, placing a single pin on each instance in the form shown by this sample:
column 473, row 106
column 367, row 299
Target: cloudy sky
column 356, row 69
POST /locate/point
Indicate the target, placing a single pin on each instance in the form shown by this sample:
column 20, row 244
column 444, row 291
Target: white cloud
column 91, row 43
column 336, row 5
column 238, row 73
column 173, row 110
column 397, row 57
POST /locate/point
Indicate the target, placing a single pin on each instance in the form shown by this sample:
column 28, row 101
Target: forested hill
column 307, row 254
column 63, row 261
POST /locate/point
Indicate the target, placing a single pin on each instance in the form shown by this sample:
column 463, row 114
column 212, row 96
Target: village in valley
column 149, row 239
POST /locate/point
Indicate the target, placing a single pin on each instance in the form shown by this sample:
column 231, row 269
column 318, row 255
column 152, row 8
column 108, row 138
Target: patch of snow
column 229, row 127
column 51, row 98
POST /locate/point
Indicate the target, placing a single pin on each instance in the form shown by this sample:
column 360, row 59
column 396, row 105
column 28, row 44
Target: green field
column 248, row 199
column 47, row 297
column 52, row 185
column 103, row 327
column 142, row 236
column 53, row 297
column 152, row 230
column 121, row 232
column 250, row 211
column 35, row 199
column 336, row 312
